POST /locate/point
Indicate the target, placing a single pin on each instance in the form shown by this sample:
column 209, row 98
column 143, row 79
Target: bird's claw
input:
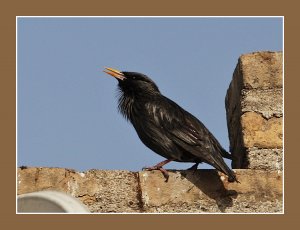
column 163, row 171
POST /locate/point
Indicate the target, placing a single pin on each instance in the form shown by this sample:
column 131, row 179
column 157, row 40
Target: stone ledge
column 139, row 192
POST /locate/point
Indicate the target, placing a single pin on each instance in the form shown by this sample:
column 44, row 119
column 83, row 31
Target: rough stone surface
column 209, row 191
column 266, row 159
column 262, row 70
column 100, row 190
column 254, row 109
column 260, row 132
column 147, row 192
column 268, row 103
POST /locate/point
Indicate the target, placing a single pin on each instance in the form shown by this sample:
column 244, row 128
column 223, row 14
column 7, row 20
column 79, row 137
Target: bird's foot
column 160, row 168
column 163, row 171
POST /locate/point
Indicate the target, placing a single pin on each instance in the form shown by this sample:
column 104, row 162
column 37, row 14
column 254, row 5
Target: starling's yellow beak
column 115, row 73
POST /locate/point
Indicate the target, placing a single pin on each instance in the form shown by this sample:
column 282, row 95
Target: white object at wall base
column 49, row 202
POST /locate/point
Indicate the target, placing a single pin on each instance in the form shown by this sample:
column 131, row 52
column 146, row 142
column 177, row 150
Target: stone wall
column 254, row 108
column 254, row 117
column 139, row 192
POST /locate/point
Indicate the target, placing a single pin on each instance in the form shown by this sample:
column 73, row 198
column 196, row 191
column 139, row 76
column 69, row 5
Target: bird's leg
column 194, row 167
column 159, row 167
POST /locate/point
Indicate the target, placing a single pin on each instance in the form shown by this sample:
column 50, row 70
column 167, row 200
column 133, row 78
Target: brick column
column 254, row 111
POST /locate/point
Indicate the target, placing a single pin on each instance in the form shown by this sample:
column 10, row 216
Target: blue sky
column 67, row 107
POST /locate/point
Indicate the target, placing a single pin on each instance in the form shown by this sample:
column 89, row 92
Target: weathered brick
column 102, row 191
column 266, row 102
column 262, row 70
column 266, row 159
column 209, row 191
column 260, row 132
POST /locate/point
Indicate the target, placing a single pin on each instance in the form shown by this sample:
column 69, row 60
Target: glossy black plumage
column 165, row 127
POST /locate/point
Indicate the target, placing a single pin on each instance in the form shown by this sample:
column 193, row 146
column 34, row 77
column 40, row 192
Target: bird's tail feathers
column 221, row 166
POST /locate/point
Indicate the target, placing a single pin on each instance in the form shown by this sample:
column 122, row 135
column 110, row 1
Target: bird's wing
column 188, row 132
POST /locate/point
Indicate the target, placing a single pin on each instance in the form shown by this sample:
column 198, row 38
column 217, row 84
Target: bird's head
column 133, row 83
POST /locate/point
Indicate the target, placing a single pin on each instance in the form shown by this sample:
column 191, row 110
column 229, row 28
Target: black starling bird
column 165, row 127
